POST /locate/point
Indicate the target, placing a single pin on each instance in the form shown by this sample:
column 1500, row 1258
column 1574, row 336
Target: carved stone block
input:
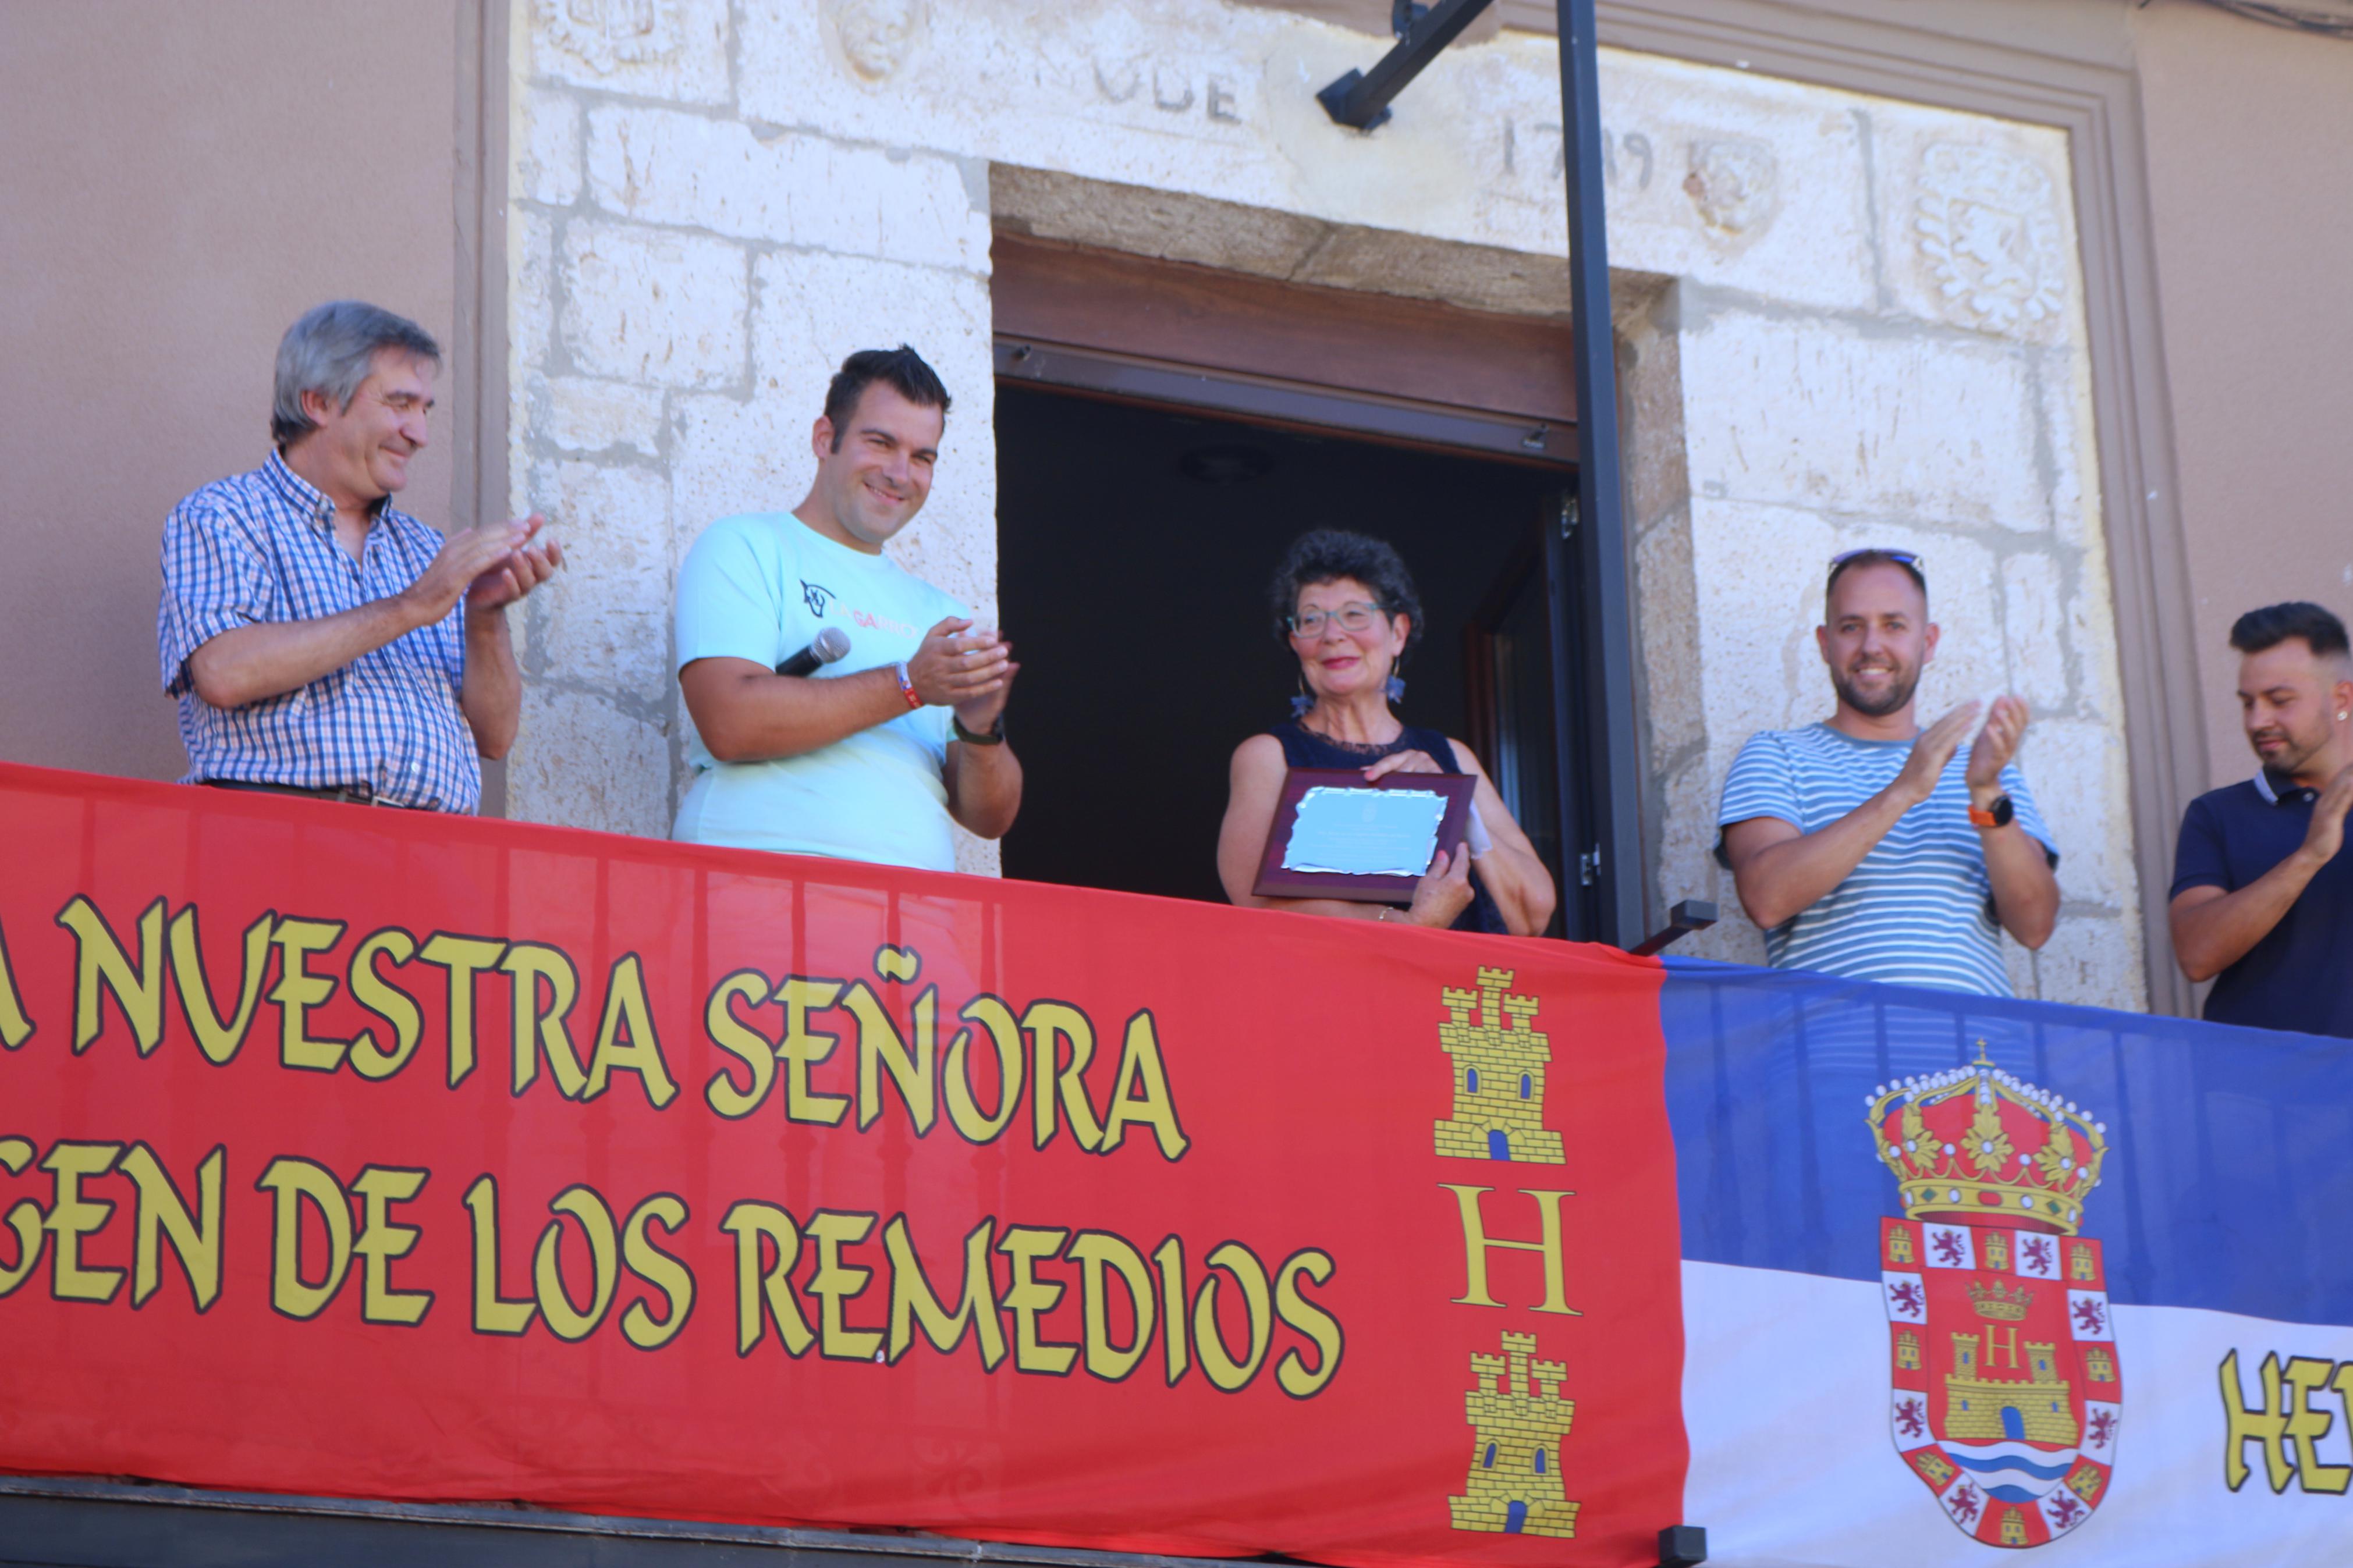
column 1819, row 413
column 604, row 623
column 675, row 49
column 647, row 306
column 589, row 764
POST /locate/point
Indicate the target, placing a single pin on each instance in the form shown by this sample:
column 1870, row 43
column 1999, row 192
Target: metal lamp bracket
column 1361, row 99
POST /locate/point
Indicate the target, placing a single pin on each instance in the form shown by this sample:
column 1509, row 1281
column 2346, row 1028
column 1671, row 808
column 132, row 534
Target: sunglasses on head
column 1917, row 565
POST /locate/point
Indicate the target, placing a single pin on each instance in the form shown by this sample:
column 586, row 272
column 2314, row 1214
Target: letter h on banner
column 1476, row 1243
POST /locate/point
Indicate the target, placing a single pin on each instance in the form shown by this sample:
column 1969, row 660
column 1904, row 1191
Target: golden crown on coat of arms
column 1975, row 1144
column 2005, row 1306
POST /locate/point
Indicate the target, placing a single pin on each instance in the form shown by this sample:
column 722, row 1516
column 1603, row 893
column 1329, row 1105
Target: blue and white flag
column 1964, row 1274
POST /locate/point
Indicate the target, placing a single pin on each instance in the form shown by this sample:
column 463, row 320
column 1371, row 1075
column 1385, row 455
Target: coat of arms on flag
column 2004, row 1387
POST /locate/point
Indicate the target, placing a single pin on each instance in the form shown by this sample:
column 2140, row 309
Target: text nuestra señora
column 1045, row 1057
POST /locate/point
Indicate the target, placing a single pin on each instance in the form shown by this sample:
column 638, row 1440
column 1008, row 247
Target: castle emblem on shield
column 2004, row 1387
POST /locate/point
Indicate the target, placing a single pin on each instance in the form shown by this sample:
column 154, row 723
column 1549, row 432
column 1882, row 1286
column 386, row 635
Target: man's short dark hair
column 2274, row 624
column 900, row 369
column 1328, row 554
column 1847, row 564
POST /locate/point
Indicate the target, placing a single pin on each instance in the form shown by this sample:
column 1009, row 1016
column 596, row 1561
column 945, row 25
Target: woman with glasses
column 1347, row 608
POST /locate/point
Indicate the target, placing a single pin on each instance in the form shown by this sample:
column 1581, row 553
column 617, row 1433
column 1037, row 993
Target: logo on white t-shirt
column 820, row 598
column 880, row 623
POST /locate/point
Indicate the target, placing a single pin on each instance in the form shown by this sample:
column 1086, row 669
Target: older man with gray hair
column 320, row 641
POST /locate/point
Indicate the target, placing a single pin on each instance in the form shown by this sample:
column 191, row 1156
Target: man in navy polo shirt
column 2263, row 887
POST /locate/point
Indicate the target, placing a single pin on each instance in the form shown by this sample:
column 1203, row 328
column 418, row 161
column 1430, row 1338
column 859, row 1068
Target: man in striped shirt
column 320, row 641
column 1867, row 847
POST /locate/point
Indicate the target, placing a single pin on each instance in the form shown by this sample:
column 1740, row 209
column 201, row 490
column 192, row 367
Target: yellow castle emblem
column 1499, row 1076
column 1514, row 1487
column 1975, row 1403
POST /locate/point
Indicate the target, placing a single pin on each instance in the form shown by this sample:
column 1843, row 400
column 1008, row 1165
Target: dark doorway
column 1136, row 543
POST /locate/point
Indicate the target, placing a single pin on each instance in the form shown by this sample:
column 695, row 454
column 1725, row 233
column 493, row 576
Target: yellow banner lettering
column 765, row 1294
column 99, row 960
column 913, row 1304
column 388, row 1002
column 1141, row 1095
column 1476, row 1243
column 626, row 1039
column 218, row 1038
column 297, row 991
column 382, row 1239
column 494, row 1313
column 658, row 1269
column 293, row 1182
column 464, row 957
column 564, row 1319
column 196, row 1237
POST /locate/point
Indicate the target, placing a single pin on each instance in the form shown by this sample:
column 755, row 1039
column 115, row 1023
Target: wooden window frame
column 1071, row 318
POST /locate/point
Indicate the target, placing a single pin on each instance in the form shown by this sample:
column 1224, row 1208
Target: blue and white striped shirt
column 1919, row 910
column 260, row 547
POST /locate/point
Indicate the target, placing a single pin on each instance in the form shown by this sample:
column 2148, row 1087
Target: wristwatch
column 1998, row 814
column 992, row 736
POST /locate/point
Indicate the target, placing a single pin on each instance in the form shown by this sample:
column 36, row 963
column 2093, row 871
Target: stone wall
column 687, row 272
column 1843, row 320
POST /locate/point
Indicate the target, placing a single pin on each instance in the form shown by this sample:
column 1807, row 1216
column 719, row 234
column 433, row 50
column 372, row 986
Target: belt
column 351, row 794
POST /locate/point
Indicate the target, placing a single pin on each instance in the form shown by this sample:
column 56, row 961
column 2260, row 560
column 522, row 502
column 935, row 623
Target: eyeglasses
column 1915, row 564
column 1352, row 617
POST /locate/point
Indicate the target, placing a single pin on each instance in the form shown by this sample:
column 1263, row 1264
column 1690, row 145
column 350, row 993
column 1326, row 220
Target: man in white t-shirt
column 870, row 757
column 1867, row 847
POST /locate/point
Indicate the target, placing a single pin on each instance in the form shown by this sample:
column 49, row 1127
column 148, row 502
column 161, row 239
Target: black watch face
column 2003, row 810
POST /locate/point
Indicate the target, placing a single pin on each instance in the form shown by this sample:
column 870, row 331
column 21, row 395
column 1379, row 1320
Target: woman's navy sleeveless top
column 1303, row 748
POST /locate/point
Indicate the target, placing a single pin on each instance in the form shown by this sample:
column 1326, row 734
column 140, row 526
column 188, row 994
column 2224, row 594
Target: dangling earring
column 1395, row 689
column 1301, row 704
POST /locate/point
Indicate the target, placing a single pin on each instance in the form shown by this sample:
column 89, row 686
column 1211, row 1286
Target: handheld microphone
column 828, row 645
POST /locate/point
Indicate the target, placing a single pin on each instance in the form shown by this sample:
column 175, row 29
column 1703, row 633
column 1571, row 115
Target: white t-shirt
column 759, row 588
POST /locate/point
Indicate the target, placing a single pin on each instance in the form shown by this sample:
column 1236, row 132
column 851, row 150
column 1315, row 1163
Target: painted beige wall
column 180, row 182
column 2247, row 130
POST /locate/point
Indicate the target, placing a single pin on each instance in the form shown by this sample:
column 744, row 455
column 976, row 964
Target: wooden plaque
column 1275, row 882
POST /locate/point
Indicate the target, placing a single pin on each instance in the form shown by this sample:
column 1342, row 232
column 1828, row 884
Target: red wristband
column 906, row 685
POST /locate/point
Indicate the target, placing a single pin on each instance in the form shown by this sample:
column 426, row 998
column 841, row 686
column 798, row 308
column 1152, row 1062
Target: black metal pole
column 1600, row 534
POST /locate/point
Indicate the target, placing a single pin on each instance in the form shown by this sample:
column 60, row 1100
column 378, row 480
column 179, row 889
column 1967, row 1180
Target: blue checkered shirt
column 261, row 547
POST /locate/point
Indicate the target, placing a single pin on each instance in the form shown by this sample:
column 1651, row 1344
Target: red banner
column 359, row 1153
